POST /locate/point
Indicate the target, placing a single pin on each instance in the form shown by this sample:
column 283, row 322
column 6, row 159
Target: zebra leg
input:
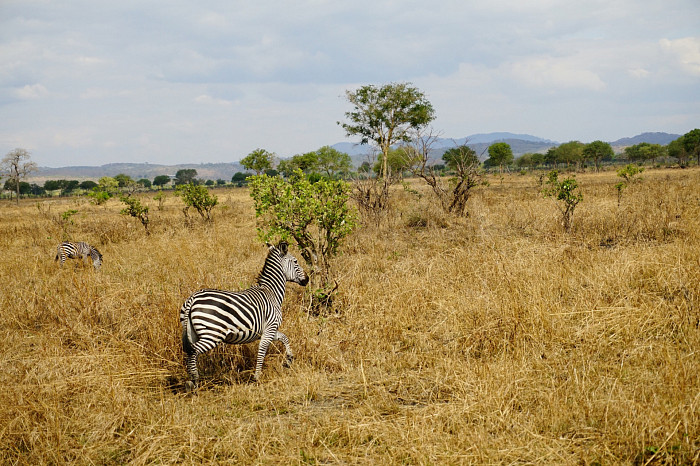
column 265, row 341
column 288, row 349
column 191, row 353
column 191, row 363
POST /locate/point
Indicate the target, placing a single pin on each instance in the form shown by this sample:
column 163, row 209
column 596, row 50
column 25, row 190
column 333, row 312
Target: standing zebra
column 211, row 317
column 68, row 250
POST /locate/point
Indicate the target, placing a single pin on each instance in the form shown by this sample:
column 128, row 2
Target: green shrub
column 315, row 215
column 566, row 192
column 197, row 196
column 135, row 209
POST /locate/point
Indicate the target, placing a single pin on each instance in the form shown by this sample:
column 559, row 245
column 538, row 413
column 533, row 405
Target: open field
column 496, row 338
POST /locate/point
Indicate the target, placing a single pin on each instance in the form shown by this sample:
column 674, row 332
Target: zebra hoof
column 190, row 386
column 288, row 361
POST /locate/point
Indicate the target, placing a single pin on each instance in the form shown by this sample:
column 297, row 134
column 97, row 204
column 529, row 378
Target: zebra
column 211, row 317
column 68, row 250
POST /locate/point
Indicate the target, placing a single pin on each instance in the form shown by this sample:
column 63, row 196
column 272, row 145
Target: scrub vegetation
column 494, row 337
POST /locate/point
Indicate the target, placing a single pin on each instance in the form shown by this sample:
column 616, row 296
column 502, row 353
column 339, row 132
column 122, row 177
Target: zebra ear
column 283, row 247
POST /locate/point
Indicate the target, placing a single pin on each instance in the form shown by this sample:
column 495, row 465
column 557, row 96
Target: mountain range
column 519, row 143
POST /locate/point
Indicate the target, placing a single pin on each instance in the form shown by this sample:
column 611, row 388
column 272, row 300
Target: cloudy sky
column 85, row 82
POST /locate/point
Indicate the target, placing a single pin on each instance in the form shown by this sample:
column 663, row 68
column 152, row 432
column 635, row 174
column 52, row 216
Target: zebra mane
column 274, row 256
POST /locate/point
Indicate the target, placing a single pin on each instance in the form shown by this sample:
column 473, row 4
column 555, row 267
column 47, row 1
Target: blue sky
column 86, row 82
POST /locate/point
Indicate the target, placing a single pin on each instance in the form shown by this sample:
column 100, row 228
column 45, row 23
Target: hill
column 519, row 143
column 207, row 171
column 651, row 138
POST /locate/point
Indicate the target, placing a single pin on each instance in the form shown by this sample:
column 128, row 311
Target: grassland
column 496, row 338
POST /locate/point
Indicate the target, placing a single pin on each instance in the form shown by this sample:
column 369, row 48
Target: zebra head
column 290, row 265
column 96, row 258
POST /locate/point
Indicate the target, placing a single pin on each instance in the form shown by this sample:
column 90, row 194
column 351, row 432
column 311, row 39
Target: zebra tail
column 189, row 337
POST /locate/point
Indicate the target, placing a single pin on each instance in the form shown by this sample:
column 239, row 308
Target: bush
column 135, row 209
column 315, row 215
column 629, row 174
column 98, row 196
column 566, row 192
column 197, row 196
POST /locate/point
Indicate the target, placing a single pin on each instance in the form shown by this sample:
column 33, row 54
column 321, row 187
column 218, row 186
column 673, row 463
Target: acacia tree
column 691, row 143
column 161, row 180
column 17, row 165
column 398, row 161
column 332, row 161
column 500, row 154
column 259, row 161
column 453, row 193
column 529, row 160
column 185, row 176
column 597, row 151
column 676, row 149
column 307, row 163
column 571, row 153
column 326, row 160
column 644, row 151
column 385, row 116
column 551, row 157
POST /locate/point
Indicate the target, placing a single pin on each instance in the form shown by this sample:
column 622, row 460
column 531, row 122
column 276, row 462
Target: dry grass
column 491, row 339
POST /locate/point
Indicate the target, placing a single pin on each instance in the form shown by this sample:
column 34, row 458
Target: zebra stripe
column 211, row 317
column 68, row 250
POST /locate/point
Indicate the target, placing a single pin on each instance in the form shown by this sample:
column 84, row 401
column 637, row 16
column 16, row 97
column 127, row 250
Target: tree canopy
column 16, row 165
column 676, row 149
column 570, row 153
column 456, row 158
column 691, row 143
column 333, row 162
column 161, row 180
column 124, row 180
column 259, row 161
column 644, row 151
column 597, row 151
column 386, row 115
column 185, row 176
column 500, row 154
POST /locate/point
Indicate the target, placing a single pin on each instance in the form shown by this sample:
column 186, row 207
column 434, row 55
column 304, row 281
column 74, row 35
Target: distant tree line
column 394, row 161
column 576, row 154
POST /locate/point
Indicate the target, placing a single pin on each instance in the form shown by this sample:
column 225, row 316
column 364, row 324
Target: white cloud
column 32, row 91
column 75, row 137
column 638, row 73
column 687, row 52
column 172, row 80
column 209, row 100
column 553, row 73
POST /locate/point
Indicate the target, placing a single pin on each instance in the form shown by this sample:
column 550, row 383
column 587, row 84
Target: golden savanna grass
column 496, row 338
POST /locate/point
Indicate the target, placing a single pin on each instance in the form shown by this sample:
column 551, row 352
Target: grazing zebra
column 68, row 250
column 211, row 317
